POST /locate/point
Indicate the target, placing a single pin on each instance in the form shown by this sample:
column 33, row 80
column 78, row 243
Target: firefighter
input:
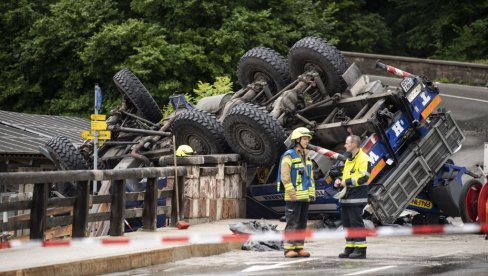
column 184, row 150
column 295, row 174
column 355, row 180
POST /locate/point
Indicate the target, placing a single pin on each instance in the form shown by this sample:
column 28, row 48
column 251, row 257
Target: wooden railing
column 40, row 221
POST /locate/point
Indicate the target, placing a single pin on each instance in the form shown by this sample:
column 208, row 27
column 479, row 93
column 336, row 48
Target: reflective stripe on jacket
column 356, row 174
column 299, row 180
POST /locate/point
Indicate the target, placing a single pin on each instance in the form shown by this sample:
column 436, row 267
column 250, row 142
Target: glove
column 312, row 198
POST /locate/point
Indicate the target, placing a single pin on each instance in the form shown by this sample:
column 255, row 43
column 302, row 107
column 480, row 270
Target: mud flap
column 446, row 197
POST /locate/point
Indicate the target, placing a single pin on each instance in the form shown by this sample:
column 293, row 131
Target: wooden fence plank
column 117, row 208
column 38, row 211
column 80, row 214
column 150, row 205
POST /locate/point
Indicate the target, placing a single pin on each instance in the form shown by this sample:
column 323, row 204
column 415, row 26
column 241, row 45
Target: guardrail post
column 117, row 208
column 80, row 216
column 38, row 215
column 150, row 210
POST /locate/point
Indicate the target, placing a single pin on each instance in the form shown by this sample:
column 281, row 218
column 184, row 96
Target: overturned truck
column 408, row 140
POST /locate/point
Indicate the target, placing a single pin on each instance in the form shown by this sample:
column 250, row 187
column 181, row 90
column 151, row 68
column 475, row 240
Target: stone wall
column 450, row 71
column 214, row 187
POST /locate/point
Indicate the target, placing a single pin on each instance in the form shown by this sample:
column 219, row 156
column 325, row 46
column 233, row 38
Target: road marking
column 463, row 98
column 278, row 265
column 447, row 254
column 254, row 263
column 371, row 270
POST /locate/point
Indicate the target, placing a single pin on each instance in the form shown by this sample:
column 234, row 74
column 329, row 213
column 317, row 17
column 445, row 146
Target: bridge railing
column 40, row 219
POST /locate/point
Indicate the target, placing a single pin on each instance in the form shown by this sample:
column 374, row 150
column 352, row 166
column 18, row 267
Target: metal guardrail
column 39, row 220
column 452, row 71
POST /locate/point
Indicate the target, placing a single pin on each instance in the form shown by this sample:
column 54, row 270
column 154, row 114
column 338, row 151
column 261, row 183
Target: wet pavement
column 414, row 255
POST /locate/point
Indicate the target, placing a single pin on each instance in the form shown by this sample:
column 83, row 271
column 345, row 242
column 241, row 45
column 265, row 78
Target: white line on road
column 463, row 98
column 371, row 270
column 448, row 254
column 255, row 263
column 278, row 265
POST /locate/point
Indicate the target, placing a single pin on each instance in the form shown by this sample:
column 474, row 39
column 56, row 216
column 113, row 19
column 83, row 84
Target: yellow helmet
column 184, row 150
column 300, row 132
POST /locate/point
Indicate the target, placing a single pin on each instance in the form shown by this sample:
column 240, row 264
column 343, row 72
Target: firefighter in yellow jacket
column 355, row 180
column 296, row 175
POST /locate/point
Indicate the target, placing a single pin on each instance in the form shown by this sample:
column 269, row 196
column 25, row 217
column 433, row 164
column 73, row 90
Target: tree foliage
column 53, row 51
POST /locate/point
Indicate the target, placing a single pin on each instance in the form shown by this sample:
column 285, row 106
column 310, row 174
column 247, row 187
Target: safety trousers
column 352, row 217
column 296, row 213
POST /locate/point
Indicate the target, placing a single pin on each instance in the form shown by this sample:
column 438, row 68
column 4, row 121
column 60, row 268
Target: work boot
column 291, row 254
column 303, row 253
column 346, row 253
column 359, row 253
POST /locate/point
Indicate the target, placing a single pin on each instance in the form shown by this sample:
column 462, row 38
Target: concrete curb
column 125, row 262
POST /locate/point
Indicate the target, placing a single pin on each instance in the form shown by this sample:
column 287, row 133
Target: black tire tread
column 271, row 129
column 67, row 154
column 208, row 121
column 140, row 97
column 67, row 158
column 271, row 57
column 327, row 50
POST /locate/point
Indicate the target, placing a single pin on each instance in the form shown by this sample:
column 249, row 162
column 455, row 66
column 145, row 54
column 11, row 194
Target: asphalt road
column 414, row 255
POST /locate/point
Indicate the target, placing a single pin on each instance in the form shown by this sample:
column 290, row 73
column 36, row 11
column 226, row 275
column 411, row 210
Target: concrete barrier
column 437, row 70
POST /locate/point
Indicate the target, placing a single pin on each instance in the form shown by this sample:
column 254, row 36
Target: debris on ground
column 257, row 227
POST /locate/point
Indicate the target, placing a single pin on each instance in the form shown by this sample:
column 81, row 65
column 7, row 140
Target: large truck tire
column 130, row 86
column 317, row 54
column 468, row 201
column 200, row 130
column 254, row 134
column 264, row 64
column 65, row 157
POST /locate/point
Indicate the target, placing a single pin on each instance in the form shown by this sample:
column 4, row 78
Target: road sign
column 98, row 117
column 90, row 134
column 98, row 98
column 98, row 125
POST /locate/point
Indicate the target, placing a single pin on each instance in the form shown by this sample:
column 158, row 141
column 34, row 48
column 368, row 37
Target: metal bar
column 80, row 212
column 320, row 85
column 281, row 92
column 139, row 131
column 39, row 211
column 334, row 98
column 117, row 208
column 331, row 116
column 150, row 205
column 139, row 118
column 361, row 112
column 99, row 175
column 116, row 143
column 305, row 120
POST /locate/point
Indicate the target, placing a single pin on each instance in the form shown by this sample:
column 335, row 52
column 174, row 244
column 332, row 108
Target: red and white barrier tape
column 317, row 235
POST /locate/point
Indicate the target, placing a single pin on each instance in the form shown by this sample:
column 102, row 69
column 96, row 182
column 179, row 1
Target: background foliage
column 52, row 52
